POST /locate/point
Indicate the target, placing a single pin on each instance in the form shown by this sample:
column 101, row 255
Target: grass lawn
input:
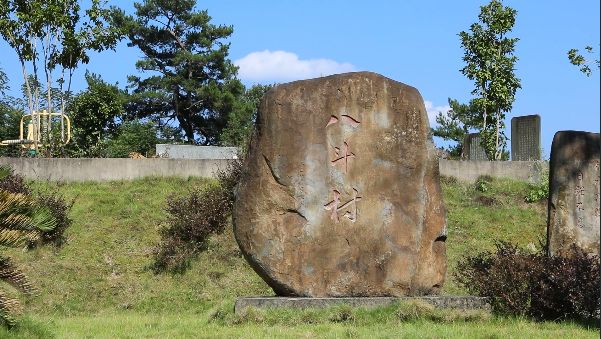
column 99, row 285
column 135, row 325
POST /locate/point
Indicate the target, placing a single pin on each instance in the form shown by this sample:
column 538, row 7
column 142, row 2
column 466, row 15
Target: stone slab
column 473, row 150
column 448, row 302
column 573, row 210
column 525, row 138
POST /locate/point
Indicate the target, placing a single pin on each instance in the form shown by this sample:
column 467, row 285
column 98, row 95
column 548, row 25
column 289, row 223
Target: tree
column 579, row 60
column 51, row 38
column 192, row 82
column 22, row 222
column 95, row 113
column 241, row 121
column 490, row 63
column 133, row 136
column 456, row 124
column 10, row 117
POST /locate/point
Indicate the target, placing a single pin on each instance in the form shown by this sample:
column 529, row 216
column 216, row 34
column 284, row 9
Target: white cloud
column 434, row 110
column 277, row 66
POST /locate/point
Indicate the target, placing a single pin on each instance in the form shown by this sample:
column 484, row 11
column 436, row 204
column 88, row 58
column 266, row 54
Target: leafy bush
column 59, row 208
column 95, row 112
column 10, row 121
column 132, row 136
column 192, row 219
column 52, row 202
column 22, row 222
column 522, row 283
column 242, row 118
column 11, row 182
column 483, row 183
column 540, row 190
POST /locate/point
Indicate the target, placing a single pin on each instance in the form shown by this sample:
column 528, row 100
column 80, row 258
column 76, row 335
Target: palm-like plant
column 22, row 223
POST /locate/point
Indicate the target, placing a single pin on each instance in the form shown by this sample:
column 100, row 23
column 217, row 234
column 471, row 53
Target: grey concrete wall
column 469, row 171
column 126, row 169
column 196, row 152
column 112, row 169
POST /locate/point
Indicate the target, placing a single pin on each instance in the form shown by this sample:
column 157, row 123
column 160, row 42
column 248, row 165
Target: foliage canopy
column 191, row 81
column 490, row 63
column 51, row 38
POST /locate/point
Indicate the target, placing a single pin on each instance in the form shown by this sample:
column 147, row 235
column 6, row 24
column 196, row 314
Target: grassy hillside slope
column 99, row 282
column 104, row 265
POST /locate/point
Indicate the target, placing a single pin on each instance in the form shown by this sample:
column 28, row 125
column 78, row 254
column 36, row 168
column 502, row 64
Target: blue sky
column 414, row 42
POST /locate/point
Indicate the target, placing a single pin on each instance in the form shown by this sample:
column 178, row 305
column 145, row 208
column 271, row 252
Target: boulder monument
column 573, row 208
column 342, row 194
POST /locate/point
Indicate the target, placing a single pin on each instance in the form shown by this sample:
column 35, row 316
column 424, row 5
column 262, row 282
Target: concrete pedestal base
column 455, row 302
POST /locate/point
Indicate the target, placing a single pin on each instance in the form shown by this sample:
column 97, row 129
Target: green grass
column 103, row 268
column 135, row 325
column 474, row 226
column 99, row 284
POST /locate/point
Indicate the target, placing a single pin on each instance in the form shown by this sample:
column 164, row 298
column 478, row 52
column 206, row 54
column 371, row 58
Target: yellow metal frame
column 29, row 141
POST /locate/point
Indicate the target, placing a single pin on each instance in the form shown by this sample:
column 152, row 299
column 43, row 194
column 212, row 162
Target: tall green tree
column 191, row 82
column 96, row 113
column 241, row 121
column 10, row 117
column 490, row 63
column 456, row 124
column 51, row 38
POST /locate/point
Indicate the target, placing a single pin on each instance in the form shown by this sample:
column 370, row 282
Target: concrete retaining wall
column 126, row 169
column 469, row 171
column 112, row 169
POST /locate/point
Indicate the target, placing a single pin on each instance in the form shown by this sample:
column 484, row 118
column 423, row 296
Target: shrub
column 11, row 182
column 59, row 209
column 483, row 183
column 23, row 221
column 192, row 219
column 26, row 220
column 569, row 289
column 522, row 283
column 52, row 202
column 540, row 190
column 132, row 136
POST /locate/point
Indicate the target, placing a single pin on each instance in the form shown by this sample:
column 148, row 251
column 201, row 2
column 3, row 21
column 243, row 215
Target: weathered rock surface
column 342, row 195
column 573, row 212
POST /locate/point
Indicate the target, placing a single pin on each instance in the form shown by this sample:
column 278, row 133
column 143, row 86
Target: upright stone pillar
column 342, row 195
column 573, row 211
column 473, row 148
column 525, row 138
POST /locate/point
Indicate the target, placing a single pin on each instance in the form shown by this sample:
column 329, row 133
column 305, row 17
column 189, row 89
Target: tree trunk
column 183, row 122
column 187, row 129
column 497, row 153
column 485, row 108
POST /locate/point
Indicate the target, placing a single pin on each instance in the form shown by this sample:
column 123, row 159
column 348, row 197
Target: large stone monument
column 525, row 138
column 573, row 212
column 342, row 195
column 472, row 148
